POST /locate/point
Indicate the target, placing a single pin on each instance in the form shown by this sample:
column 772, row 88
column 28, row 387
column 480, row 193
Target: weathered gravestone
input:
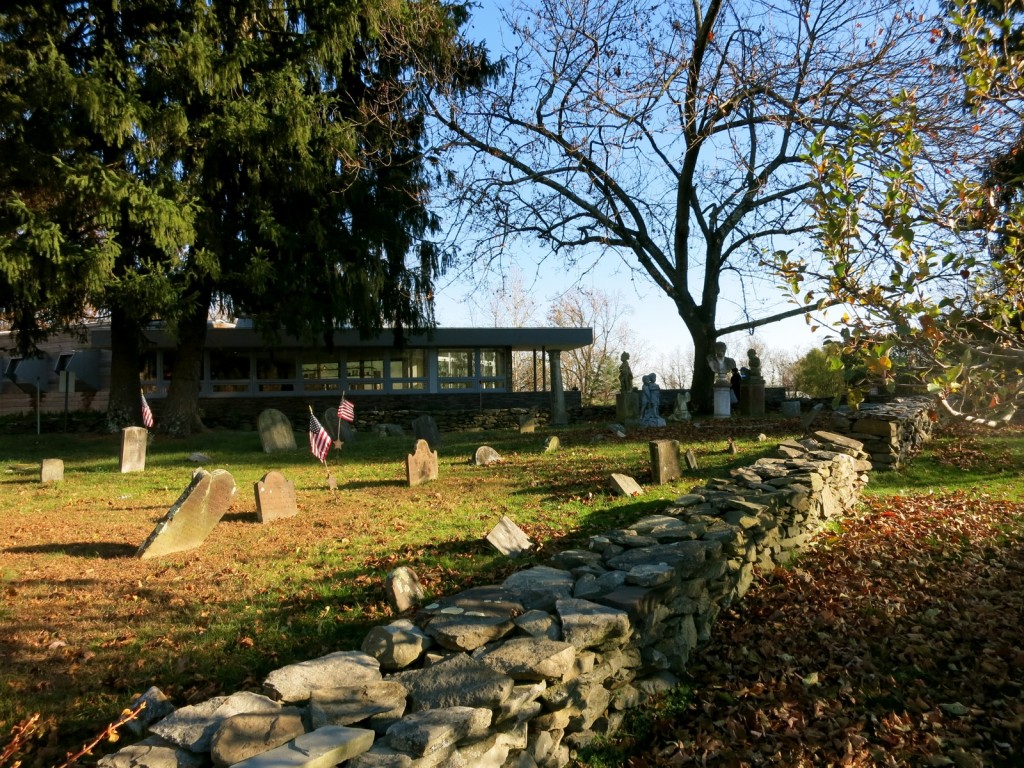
column 527, row 425
column 388, row 430
column 346, row 432
column 51, row 471
column 485, row 456
column 664, row 461
column 421, row 465
column 508, row 538
column 425, row 428
column 276, row 433
column 403, row 589
column 691, row 460
column 275, row 497
column 133, row 449
column 193, row 516
column 626, row 485
column 552, row 444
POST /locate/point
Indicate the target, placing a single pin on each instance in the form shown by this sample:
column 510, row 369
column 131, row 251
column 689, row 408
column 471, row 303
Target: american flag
column 346, row 410
column 319, row 439
column 147, row 413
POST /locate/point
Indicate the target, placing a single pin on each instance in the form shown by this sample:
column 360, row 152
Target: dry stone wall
column 520, row 673
column 892, row 433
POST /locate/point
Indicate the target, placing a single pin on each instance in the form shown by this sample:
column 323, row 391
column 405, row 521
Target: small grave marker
column 485, row 456
column 552, row 444
column 276, row 433
column 664, row 461
column 425, row 428
column 691, row 460
column 508, row 538
column 133, row 449
column 51, row 471
column 421, row 465
column 275, row 497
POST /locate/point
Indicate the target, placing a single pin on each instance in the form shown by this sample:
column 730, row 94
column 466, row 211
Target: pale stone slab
column 152, row 752
column 589, row 625
column 508, row 538
column 691, row 460
column 247, row 734
column 539, row 587
column 352, row 704
column 193, row 727
column 275, row 497
column 322, row 748
column 423, row 733
column 552, row 444
column 276, row 433
column 421, row 465
column 626, row 485
column 458, row 680
column 193, row 516
column 531, row 658
column 295, row 682
column 403, row 589
column 133, row 449
column 156, row 707
column 51, row 471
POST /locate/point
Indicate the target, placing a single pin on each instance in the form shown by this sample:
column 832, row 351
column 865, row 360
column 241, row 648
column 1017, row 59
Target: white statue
column 682, row 409
column 721, row 365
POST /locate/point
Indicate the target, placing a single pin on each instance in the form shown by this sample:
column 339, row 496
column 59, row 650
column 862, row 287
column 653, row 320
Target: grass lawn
column 84, row 625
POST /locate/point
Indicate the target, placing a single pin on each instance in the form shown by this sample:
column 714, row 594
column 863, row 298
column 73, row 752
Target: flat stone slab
column 531, row 658
column 352, row 704
column 423, row 733
column 458, row 680
column 323, row 748
column 152, row 752
column 276, row 433
column 194, row 515
column 296, row 681
column 539, row 587
column 193, row 727
column 470, row 619
column 244, row 735
column 275, row 497
column 686, row 557
column 589, row 625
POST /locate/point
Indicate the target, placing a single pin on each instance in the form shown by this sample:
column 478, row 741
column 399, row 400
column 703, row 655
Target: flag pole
column 339, row 414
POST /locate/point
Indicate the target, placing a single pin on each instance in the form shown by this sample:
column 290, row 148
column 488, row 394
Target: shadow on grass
column 104, row 550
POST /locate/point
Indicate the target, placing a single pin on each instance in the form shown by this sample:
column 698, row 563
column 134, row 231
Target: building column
column 559, row 416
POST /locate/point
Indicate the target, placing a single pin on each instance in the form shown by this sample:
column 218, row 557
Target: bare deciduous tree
column 674, row 135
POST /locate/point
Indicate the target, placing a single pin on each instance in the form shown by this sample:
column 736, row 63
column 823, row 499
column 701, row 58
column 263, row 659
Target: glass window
column 365, row 373
column 229, row 371
column 454, row 363
column 408, row 364
column 320, row 373
column 275, row 373
column 492, row 363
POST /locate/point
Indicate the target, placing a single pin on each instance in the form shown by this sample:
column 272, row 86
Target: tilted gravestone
column 275, row 497
column 421, row 465
column 276, row 433
column 527, row 425
column 329, row 420
column 193, row 516
column 626, row 485
column 347, row 433
column 508, row 538
column 51, row 471
column 552, row 444
column 691, row 460
column 133, row 449
column 664, row 461
column 425, row 428
column 403, row 589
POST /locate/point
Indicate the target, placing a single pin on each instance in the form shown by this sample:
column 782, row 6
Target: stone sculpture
column 625, row 374
column 753, row 364
column 650, row 401
column 720, row 364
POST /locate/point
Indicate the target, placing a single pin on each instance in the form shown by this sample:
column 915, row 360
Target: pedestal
column 627, row 407
column 723, row 401
column 752, row 397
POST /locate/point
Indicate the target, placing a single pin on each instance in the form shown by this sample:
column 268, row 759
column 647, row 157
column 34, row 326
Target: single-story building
column 443, row 369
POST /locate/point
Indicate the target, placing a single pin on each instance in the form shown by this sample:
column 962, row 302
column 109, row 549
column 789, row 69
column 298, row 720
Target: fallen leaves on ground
column 896, row 642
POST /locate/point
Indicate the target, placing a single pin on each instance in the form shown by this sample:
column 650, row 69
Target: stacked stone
column 520, row 673
column 893, row 433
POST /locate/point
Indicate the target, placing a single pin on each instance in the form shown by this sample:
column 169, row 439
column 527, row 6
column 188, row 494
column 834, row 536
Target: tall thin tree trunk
column 124, row 408
column 701, row 392
column 181, row 409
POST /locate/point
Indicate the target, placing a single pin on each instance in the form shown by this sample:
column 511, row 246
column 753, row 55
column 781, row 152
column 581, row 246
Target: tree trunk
column 181, row 409
column 124, row 408
column 701, row 388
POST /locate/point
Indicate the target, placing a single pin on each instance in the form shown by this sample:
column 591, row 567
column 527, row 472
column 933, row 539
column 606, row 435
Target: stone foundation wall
column 893, row 433
column 520, row 673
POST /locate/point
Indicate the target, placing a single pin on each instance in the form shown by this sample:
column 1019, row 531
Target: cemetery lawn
column 85, row 625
